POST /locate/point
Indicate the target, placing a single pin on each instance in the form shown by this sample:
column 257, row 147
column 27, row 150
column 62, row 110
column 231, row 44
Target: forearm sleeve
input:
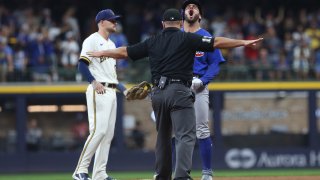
column 84, row 70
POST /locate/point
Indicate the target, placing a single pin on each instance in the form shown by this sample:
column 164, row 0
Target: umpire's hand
column 98, row 87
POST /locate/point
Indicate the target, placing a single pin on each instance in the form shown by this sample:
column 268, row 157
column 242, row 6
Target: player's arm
column 222, row 42
column 215, row 58
column 118, row 53
column 85, row 61
column 134, row 52
column 206, row 43
column 84, row 70
column 83, row 67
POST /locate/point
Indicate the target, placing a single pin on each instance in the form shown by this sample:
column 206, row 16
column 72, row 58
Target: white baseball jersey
column 102, row 108
column 103, row 69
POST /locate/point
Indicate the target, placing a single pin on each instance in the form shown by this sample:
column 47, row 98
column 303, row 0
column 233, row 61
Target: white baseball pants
column 102, row 110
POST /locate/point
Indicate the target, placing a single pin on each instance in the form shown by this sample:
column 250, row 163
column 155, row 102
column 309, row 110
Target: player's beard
column 191, row 20
column 111, row 29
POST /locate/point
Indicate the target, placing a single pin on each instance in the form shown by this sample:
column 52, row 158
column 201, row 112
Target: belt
column 173, row 81
column 196, row 75
column 113, row 86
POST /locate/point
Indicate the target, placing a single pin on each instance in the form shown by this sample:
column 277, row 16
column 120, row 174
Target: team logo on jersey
column 102, row 59
column 199, row 54
column 206, row 39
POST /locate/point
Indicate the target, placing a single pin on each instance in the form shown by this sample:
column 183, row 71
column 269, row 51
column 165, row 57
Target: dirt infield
column 270, row 178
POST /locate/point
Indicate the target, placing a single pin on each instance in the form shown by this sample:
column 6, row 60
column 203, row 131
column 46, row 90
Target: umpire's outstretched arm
column 219, row 42
column 225, row 43
column 118, row 53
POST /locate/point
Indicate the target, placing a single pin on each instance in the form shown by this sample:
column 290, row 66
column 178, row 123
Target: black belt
column 173, row 81
column 109, row 85
column 196, row 75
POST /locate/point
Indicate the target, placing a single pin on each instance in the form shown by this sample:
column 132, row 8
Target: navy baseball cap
column 196, row 2
column 106, row 14
column 172, row 15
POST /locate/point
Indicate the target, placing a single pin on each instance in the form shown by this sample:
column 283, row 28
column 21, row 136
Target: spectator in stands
column 299, row 35
column 119, row 40
column 269, row 20
column 283, row 67
column 80, row 131
column 248, row 24
column 274, row 46
column 6, row 61
column 50, row 54
column 252, row 54
column 23, row 35
column 33, row 136
column 264, row 68
column 70, row 51
column 11, row 139
column 303, row 17
column 137, row 136
column 46, row 19
column 301, row 55
column 38, row 62
column 317, row 63
column 70, row 23
column 218, row 26
column 288, row 45
column 20, row 61
column 69, row 58
column 58, row 142
column 314, row 33
column 289, row 24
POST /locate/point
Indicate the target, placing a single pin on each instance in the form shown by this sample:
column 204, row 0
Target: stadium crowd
column 36, row 46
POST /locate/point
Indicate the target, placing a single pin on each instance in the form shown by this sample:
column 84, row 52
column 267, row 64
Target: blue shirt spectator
column 5, row 59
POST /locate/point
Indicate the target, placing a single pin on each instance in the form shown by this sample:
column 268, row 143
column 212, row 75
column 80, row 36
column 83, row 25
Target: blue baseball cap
column 106, row 14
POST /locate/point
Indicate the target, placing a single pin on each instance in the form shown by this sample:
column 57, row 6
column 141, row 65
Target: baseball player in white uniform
column 101, row 98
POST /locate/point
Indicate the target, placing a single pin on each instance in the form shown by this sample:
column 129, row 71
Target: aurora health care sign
column 247, row 158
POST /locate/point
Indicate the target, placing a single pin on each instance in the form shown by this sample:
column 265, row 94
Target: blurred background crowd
column 41, row 40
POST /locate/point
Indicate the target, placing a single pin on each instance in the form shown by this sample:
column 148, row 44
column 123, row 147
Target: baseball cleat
column 206, row 177
column 81, row 176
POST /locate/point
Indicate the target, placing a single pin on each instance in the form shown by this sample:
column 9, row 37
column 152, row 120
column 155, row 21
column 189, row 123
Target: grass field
column 221, row 174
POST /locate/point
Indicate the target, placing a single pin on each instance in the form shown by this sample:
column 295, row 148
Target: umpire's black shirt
column 171, row 53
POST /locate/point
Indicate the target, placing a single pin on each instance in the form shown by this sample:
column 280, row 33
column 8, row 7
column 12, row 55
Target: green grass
column 148, row 175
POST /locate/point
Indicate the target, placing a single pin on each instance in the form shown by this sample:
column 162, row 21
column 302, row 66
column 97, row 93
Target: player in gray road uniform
column 206, row 67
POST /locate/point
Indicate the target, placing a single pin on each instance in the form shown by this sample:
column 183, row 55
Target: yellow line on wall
column 34, row 89
column 264, row 86
column 220, row 86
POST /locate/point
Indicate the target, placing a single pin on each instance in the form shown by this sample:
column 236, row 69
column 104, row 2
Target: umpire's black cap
column 187, row 2
column 172, row 15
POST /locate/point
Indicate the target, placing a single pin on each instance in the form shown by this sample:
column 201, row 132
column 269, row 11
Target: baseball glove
column 139, row 91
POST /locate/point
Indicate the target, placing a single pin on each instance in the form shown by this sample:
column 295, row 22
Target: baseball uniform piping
column 85, row 58
column 94, row 130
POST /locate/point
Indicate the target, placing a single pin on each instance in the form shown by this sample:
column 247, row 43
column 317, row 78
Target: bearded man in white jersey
column 101, row 98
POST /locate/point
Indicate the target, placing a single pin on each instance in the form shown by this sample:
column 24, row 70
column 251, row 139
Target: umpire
column 171, row 54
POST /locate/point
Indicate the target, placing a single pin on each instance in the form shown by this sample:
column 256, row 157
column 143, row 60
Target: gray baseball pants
column 174, row 111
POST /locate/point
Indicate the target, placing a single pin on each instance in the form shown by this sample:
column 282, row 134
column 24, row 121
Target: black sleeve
column 138, row 51
column 200, row 43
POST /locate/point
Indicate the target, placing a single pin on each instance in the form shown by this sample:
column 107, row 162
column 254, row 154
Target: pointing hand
column 94, row 54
